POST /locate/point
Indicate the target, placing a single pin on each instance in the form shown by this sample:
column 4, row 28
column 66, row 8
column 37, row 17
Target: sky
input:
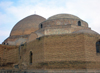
column 12, row 11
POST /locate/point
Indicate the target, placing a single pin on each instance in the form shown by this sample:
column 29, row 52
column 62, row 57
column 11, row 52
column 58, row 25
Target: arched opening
column 31, row 57
column 7, row 43
column 4, row 43
column 98, row 47
column 41, row 26
column 79, row 23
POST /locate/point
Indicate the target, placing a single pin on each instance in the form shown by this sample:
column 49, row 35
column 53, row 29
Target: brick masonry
column 52, row 44
column 53, row 50
column 8, row 56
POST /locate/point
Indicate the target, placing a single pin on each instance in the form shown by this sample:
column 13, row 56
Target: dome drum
column 64, row 21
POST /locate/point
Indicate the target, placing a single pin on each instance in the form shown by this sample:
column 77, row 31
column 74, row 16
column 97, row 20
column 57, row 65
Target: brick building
column 63, row 41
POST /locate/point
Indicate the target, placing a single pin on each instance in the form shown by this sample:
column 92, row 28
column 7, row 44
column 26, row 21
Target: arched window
column 31, row 57
column 4, row 43
column 98, row 47
column 79, row 23
column 7, row 43
column 41, row 26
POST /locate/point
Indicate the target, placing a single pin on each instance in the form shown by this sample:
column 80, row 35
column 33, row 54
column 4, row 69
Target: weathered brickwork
column 64, row 29
column 37, row 51
column 8, row 56
column 65, row 47
column 62, row 52
column 90, row 47
column 50, row 23
column 71, row 51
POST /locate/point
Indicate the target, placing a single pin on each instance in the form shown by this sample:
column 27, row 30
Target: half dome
column 59, row 16
column 86, row 31
column 27, row 25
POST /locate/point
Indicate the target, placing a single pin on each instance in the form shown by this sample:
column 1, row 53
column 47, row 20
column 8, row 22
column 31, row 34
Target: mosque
column 62, row 41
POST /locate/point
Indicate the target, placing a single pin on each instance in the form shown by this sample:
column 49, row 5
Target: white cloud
column 2, row 17
column 5, row 4
column 88, row 10
column 4, row 33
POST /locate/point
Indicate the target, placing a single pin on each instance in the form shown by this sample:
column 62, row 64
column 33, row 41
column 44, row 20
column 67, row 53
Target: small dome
column 27, row 25
column 86, row 31
column 59, row 16
column 32, row 37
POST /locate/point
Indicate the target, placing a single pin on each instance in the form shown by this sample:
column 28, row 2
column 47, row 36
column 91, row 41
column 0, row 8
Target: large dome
column 58, row 16
column 27, row 25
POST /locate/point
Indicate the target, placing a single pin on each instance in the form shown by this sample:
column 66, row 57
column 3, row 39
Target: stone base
column 49, row 71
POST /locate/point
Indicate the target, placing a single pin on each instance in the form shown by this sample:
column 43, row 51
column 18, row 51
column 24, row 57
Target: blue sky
column 12, row 11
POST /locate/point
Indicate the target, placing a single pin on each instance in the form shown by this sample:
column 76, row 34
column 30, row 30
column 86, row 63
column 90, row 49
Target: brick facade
column 63, row 41
column 62, row 48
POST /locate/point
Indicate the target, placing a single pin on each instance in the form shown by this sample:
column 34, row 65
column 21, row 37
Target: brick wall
column 8, row 55
column 71, row 51
column 65, row 47
column 36, row 47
